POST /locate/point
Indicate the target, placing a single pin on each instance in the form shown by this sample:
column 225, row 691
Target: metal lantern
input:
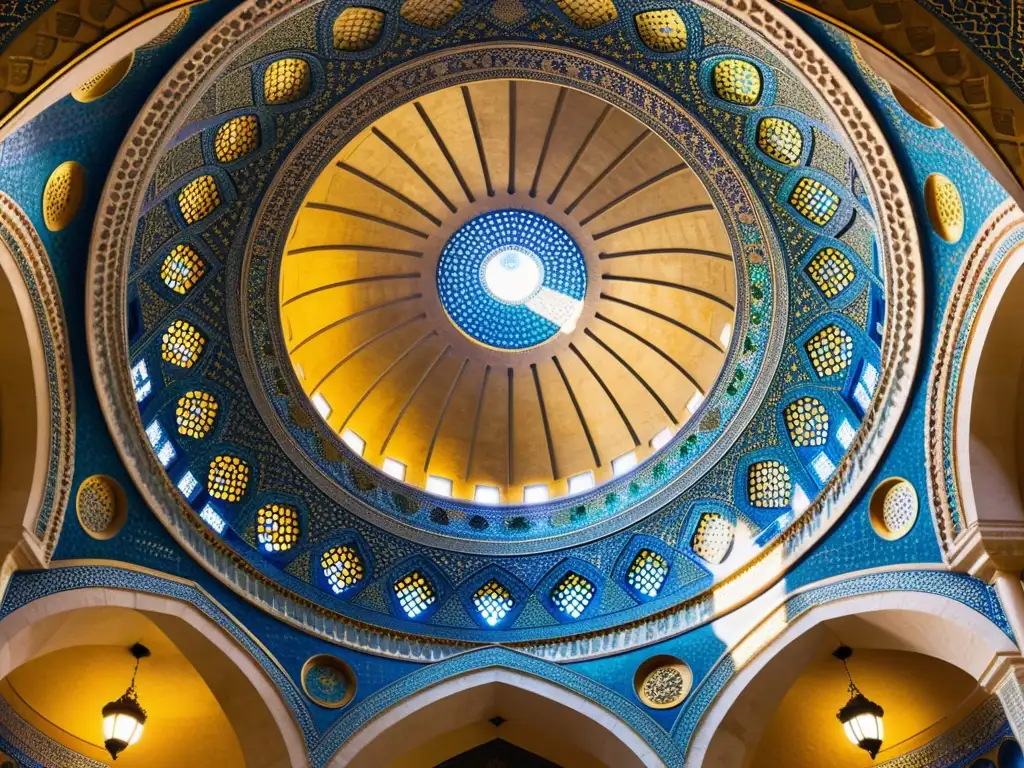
column 123, row 718
column 861, row 717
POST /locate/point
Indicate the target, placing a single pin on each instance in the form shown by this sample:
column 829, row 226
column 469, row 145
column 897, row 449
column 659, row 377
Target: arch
column 36, row 398
column 928, row 624
column 267, row 732
column 476, row 695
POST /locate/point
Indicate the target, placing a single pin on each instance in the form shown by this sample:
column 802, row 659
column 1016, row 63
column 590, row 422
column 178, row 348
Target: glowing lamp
column 861, row 718
column 124, row 718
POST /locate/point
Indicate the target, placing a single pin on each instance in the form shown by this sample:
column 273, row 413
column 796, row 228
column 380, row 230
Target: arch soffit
column 969, row 541
column 991, row 649
column 17, row 647
column 46, row 389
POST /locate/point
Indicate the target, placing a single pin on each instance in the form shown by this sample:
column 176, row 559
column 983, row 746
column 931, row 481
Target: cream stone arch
column 267, row 732
column 924, row 623
column 474, row 696
column 36, row 398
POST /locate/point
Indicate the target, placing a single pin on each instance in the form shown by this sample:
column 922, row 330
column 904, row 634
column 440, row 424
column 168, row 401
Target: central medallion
column 512, row 279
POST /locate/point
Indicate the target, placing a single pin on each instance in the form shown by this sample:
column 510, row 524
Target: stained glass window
column 814, row 201
column 831, row 271
column 415, row 594
column 182, row 344
column 713, row 537
column 830, row 350
column 493, row 601
column 196, row 413
column 573, row 594
column 342, row 567
column 182, row 268
column 228, row 478
column 807, row 422
column 647, row 572
column 277, row 527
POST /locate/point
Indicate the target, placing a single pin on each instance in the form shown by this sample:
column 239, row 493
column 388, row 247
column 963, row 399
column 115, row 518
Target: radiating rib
column 353, row 281
column 363, row 345
column 353, row 316
column 444, row 410
column 666, row 318
column 468, row 99
column 579, row 412
column 652, row 346
column 579, row 152
column 476, row 421
column 367, row 217
column 408, row 400
column 391, row 191
column 444, row 151
column 608, row 392
column 607, row 171
column 384, row 373
column 669, row 251
column 544, row 419
column 652, row 218
column 355, row 248
column 669, row 284
column 547, row 140
column 635, row 190
column 636, row 374
column 415, row 168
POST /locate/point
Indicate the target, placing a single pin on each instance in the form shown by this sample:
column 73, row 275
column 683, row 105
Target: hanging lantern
column 861, row 717
column 123, row 719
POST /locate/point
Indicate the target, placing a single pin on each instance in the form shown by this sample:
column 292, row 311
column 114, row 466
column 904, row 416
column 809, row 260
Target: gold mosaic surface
column 358, row 29
column 236, row 138
column 198, row 199
column 228, row 478
column 196, row 413
column 182, row 268
column 662, row 31
column 285, row 81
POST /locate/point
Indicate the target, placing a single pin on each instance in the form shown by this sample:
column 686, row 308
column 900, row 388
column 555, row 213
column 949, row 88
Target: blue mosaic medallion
column 511, row 279
column 327, row 682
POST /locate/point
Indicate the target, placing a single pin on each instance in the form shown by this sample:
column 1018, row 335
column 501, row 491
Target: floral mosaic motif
column 899, row 508
column 277, row 527
column 769, row 485
column 807, row 422
column 713, row 538
column 182, row 344
column 325, row 683
column 831, row 271
column 814, row 201
column 662, row 31
column 647, row 572
column 285, row 81
column 573, row 594
column 415, row 593
column 665, row 686
column 96, row 504
column 228, row 478
column 493, row 601
column 830, row 350
column 182, row 268
column 432, row 14
column 342, row 567
column 358, row 29
column 737, row 81
column 196, row 414
column 198, row 199
column 780, row 140
column 236, row 138
column 589, row 14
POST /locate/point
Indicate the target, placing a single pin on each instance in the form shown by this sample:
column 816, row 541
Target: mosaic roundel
column 328, row 681
column 511, row 279
column 435, row 567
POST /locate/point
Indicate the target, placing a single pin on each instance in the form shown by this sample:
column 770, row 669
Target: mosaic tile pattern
column 198, row 199
column 358, row 29
column 713, row 538
column 831, row 271
column 665, row 687
column 195, row 414
column 647, row 573
column 236, row 138
column 414, row 593
column 342, row 567
column 96, row 504
column 814, row 201
column 493, row 601
column 830, row 350
column 432, row 14
column 62, row 195
column 285, row 81
column 780, row 140
column 737, row 81
column 182, row 344
column 277, row 527
column 662, row 31
column 899, row 508
column 228, row 478
column 182, row 268
column 807, row 422
column 589, row 14
column 573, row 594
column 769, row 485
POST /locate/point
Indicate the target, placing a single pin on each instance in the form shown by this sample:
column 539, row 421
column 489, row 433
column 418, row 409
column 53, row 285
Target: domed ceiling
column 502, row 321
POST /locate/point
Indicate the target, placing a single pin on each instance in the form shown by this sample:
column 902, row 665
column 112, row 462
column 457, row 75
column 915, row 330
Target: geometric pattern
column 780, row 140
column 588, row 14
column 768, row 484
column 286, row 80
column 228, row 478
column 662, row 31
column 899, row 508
column 713, row 538
column 181, row 344
column 277, row 527
column 96, row 504
column 431, row 14
column 830, row 350
column 415, row 593
column 831, row 271
column 814, row 201
column 493, row 601
column 807, row 422
column 573, row 594
column 357, row 29
column 737, row 81
column 236, row 138
column 195, row 414
column 198, row 199
column 182, row 268
column 342, row 568
column 647, row 573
